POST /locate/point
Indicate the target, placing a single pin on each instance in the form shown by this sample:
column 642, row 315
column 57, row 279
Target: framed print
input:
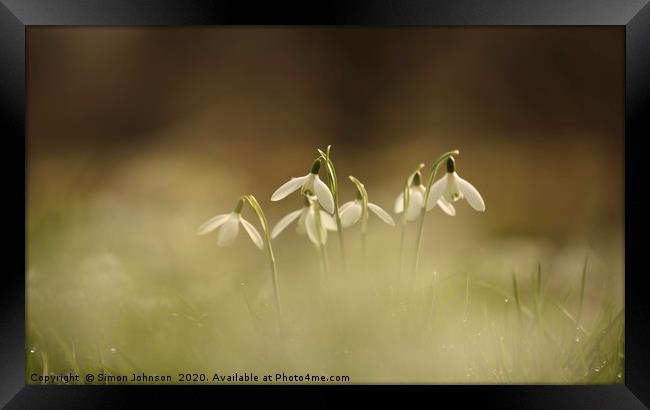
column 400, row 193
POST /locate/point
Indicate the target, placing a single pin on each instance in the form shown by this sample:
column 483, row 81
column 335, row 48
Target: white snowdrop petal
column 300, row 226
column 447, row 207
column 324, row 195
column 399, row 203
column 437, row 189
column 452, row 193
column 284, row 222
column 212, row 224
column 346, row 206
column 383, row 215
column 415, row 204
column 288, row 187
column 351, row 214
column 253, row 233
column 328, row 221
column 228, row 231
column 310, row 227
column 471, row 194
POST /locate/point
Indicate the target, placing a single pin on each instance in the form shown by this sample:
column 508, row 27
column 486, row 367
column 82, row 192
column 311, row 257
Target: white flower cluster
column 316, row 221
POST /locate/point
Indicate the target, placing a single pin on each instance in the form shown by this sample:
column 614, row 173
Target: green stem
column 274, row 272
column 401, row 256
column 405, row 204
column 325, row 263
column 418, row 247
column 321, row 246
column 333, row 183
column 361, row 189
column 515, row 288
column 538, row 295
column 339, row 231
column 583, row 281
column 364, row 249
column 432, row 176
column 433, row 301
column 269, row 249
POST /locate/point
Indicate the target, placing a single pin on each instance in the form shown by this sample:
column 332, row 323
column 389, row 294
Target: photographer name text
column 192, row 378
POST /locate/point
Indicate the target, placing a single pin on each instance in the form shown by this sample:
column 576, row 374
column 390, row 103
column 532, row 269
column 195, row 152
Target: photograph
column 325, row 205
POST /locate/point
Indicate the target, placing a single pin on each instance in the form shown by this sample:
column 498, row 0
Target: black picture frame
column 17, row 15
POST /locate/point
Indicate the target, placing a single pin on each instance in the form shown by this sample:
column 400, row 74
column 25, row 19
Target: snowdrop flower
column 416, row 200
column 452, row 188
column 228, row 225
column 310, row 182
column 306, row 217
column 351, row 212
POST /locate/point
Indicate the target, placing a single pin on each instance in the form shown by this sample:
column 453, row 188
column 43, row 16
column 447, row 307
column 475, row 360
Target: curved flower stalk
column 333, row 182
column 306, row 218
column 229, row 227
column 423, row 210
column 310, row 182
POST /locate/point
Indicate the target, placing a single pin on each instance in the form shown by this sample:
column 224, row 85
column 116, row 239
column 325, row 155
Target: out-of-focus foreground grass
column 118, row 281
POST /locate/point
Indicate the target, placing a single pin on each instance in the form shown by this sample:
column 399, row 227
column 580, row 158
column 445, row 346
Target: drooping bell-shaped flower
column 306, row 217
column 452, row 188
column 416, row 200
column 310, row 182
column 228, row 227
column 351, row 212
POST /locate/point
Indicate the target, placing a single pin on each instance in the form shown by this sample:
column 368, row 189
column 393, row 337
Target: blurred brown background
column 537, row 113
